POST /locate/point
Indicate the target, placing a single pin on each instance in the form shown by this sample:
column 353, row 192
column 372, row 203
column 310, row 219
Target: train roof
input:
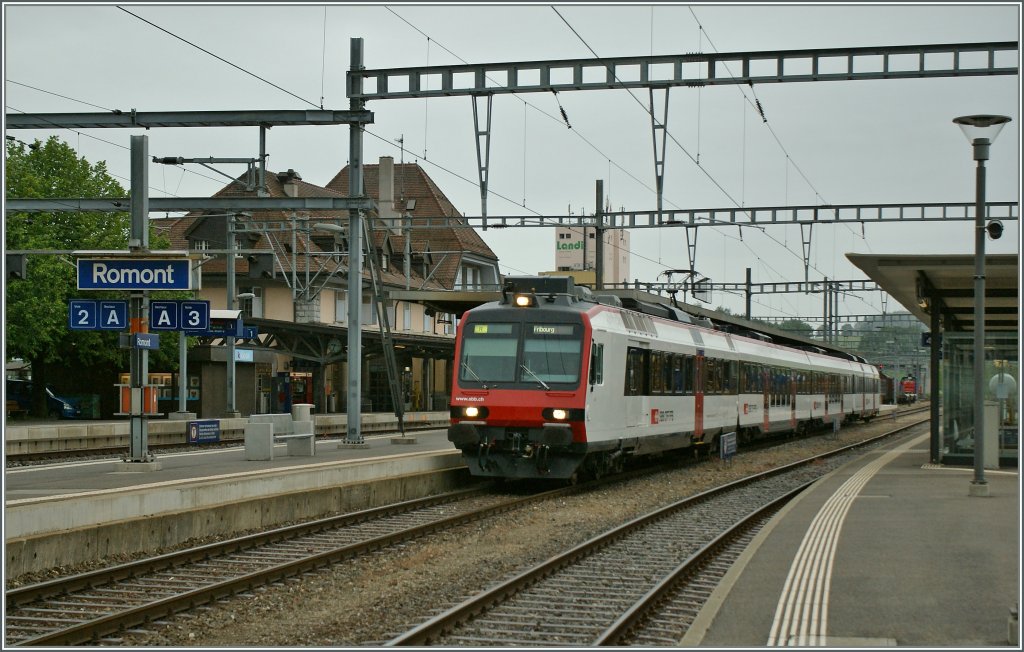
column 562, row 291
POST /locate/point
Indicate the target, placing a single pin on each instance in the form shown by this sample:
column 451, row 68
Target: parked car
column 57, row 407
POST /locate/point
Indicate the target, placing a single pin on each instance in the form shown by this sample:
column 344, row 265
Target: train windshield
column 551, row 354
column 489, row 353
column 536, row 355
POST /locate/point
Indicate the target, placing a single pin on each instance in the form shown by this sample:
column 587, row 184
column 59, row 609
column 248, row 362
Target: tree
column 36, row 322
column 798, row 327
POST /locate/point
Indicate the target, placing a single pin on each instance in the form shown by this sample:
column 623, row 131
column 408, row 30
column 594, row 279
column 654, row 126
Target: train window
column 551, row 354
column 657, row 372
column 678, row 375
column 636, row 371
column 489, row 353
column 712, row 376
column 729, row 379
column 689, row 374
column 597, row 364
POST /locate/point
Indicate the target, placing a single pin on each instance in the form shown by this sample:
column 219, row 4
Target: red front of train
column 908, row 390
column 519, row 384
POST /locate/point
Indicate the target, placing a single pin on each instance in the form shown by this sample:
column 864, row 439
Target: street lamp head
column 330, row 228
column 981, row 127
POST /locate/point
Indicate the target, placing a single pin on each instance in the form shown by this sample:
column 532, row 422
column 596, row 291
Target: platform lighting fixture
column 981, row 132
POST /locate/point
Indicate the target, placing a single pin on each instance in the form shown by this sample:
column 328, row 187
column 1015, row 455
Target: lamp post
column 231, row 412
column 981, row 132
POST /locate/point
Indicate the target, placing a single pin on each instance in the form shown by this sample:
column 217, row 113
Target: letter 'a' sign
column 134, row 274
column 179, row 316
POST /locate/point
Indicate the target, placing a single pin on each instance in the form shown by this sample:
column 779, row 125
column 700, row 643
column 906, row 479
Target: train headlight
column 523, row 300
column 472, row 412
column 561, row 414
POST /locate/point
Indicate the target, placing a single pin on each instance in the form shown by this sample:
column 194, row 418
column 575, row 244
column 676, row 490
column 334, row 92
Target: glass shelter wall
column 1002, row 393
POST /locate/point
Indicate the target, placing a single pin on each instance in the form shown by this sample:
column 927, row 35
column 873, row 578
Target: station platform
column 888, row 550
column 63, row 514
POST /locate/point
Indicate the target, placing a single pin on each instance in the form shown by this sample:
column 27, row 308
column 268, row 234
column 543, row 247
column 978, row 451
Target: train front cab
column 517, row 408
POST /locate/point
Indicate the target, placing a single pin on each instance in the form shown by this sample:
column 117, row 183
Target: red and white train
column 552, row 382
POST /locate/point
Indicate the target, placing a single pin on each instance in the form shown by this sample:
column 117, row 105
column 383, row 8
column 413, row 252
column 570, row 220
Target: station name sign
column 134, row 274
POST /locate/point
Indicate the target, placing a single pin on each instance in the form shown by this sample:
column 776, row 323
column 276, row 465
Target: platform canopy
column 945, row 282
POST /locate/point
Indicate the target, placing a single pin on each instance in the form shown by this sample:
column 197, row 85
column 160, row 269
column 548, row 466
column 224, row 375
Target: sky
column 834, row 142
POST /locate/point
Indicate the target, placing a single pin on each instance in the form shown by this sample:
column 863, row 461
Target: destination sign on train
column 134, row 274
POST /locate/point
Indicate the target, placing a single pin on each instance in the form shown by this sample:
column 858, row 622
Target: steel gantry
column 663, row 72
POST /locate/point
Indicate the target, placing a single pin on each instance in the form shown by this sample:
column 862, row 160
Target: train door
column 766, row 383
column 636, row 386
column 826, row 384
column 698, row 396
column 792, row 399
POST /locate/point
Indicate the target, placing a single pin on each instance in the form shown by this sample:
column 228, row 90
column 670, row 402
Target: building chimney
column 290, row 182
column 386, row 194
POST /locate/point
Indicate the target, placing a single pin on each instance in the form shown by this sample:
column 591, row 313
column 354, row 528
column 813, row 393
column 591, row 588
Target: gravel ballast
column 369, row 600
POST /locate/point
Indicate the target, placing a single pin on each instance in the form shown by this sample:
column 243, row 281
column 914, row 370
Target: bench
column 264, row 430
column 15, row 410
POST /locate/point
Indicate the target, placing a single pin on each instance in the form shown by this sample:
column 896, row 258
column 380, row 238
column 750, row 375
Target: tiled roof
column 413, row 183
column 279, row 241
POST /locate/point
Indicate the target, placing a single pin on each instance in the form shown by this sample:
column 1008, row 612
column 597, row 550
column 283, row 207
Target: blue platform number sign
column 163, row 315
column 113, row 315
column 82, row 315
column 195, row 315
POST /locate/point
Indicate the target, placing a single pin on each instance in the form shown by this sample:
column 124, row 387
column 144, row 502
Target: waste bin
column 302, row 411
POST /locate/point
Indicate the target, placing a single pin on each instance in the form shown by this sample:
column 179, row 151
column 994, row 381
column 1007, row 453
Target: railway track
column 88, row 607
column 92, row 607
column 631, row 584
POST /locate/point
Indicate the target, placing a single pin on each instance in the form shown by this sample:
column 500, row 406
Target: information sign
column 195, row 316
column 163, row 315
column 113, row 315
column 243, row 355
column 134, row 274
column 727, row 445
column 204, row 431
column 145, row 341
column 82, row 315
column 179, row 316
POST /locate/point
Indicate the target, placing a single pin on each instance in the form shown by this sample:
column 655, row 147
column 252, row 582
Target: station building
column 291, row 286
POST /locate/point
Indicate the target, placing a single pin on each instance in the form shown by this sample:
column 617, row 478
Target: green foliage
column 797, row 327
column 36, row 323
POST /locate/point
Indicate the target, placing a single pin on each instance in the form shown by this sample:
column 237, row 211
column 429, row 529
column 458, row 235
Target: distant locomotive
column 907, row 393
column 552, row 382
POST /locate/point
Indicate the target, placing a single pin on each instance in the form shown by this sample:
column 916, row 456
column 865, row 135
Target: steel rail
column 442, row 624
column 635, row 615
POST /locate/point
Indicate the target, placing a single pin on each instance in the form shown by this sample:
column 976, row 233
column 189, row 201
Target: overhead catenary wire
column 107, row 142
column 627, row 172
column 684, row 149
column 542, row 112
column 218, row 57
column 668, row 132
